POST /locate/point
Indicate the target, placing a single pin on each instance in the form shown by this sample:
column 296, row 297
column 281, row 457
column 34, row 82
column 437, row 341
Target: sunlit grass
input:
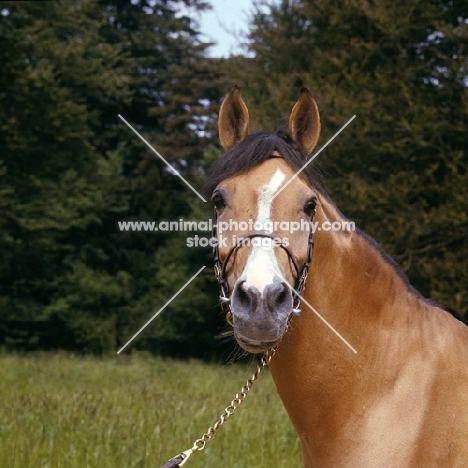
column 59, row 410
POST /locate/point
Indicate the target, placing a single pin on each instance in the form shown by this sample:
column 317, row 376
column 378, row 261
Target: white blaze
column 266, row 194
column 258, row 269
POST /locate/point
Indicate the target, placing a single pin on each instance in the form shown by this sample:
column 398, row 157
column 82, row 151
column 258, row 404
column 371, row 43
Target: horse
column 397, row 396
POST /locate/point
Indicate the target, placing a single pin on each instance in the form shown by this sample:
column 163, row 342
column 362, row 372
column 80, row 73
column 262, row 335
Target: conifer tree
column 71, row 169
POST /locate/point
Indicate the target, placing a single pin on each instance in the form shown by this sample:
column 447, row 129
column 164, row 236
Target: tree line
column 71, row 170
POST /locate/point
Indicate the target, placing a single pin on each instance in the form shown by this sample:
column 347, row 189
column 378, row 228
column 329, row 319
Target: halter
column 220, row 268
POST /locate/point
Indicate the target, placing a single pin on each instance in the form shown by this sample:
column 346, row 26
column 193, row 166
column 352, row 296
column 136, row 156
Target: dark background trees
column 70, row 169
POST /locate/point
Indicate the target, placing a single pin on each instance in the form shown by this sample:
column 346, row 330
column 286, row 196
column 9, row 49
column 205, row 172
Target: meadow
column 136, row 411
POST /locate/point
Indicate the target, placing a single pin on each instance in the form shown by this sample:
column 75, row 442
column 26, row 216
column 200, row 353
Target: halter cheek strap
column 220, row 267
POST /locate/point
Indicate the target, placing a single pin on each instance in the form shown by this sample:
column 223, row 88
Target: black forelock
column 254, row 150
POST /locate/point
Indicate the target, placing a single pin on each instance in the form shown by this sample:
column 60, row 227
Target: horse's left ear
column 233, row 124
column 304, row 121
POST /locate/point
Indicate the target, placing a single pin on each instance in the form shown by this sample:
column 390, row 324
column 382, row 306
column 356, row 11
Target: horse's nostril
column 245, row 299
column 278, row 297
column 243, row 296
column 281, row 297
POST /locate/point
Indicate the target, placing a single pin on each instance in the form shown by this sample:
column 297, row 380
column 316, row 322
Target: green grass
column 59, row 410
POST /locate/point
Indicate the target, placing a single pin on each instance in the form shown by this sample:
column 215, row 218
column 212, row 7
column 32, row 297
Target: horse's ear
column 304, row 121
column 233, row 121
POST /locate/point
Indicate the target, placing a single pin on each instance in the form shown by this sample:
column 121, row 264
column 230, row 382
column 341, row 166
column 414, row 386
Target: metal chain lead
column 240, row 397
column 200, row 444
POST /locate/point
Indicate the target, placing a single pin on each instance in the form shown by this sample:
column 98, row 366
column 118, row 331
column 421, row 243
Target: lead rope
column 199, row 444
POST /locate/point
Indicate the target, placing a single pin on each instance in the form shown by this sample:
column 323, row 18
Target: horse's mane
column 255, row 149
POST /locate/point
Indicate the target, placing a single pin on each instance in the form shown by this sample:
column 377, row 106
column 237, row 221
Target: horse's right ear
column 233, row 121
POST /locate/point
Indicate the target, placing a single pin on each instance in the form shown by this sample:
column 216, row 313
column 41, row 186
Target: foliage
column 71, row 169
column 400, row 170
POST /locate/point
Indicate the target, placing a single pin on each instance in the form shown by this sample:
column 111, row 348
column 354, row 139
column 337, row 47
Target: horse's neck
column 362, row 296
column 379, row 404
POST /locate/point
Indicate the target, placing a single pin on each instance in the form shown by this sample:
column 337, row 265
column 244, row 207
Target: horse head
column 263, row 212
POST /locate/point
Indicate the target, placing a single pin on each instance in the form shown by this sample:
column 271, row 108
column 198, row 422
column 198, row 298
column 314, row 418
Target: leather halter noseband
column 220, row 268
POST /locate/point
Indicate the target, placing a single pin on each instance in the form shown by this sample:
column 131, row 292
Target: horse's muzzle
column 260, row 317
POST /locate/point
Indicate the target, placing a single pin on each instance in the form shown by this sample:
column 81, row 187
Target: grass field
column 59, row 410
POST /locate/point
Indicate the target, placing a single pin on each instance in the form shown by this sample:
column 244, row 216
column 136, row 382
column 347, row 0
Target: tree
column 400, row 169
column 71, row 170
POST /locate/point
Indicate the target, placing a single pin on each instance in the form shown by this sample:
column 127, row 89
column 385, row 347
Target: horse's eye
column 309, row 207
column 218, row 201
